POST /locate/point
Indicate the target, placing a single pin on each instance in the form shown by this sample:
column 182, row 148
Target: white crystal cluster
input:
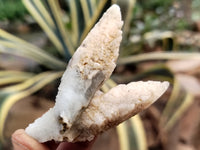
column 81, row 111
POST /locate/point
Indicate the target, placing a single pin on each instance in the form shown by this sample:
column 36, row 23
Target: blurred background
column 161, row 41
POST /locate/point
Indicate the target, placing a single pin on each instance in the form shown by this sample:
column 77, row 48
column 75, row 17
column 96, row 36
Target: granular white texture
column 92, row 63
column 100, row 49
column 115, row 106
column 81, row 111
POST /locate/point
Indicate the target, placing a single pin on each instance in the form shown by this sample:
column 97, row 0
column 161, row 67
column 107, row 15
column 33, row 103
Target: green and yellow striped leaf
column 11, row 44
column 48, row 14
column 123, row 136
column 77, row 20
column 159, row 56
column 83, row 15
column 10, row 95
column 138, row 134
column 92, row 10
column 179, row 101
column 12, row 77
column 157, row 72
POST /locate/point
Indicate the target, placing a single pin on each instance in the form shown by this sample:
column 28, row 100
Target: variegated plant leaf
column 11, row 44
column 159, row 56
column 10, row 95
column 49, row 16
column 179, row 101
column 92, row 11
column 11, row 77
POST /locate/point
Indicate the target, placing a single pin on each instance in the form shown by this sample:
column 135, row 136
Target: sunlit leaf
column 12, row 45
column 63, row 35
column 87, row 9
column 48, row 14
column 10, row 95
column 123, row 136
column 138, row 133
column 159, row 56
column 157, row 72
column 187, row 101
column 179, row 101
column 8, row 77
column 96, row 12
column 77, row 20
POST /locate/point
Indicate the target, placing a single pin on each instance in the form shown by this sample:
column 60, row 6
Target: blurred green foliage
column 195, row 9
column 12, row 10
column 157, row 15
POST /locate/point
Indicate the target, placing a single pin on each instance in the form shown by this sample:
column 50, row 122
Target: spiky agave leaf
column 12, row 94
column 83, row 14
column 12, row 77
column 159, row 56
column 47, row 13
column 179, row 101
column 11, row 44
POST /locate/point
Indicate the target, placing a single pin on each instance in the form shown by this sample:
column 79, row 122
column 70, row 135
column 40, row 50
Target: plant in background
column 66, row 37
column 12, row 9
column 67, row 34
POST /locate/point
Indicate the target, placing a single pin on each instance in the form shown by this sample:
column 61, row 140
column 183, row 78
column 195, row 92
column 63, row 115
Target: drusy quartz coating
column 81, row 111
